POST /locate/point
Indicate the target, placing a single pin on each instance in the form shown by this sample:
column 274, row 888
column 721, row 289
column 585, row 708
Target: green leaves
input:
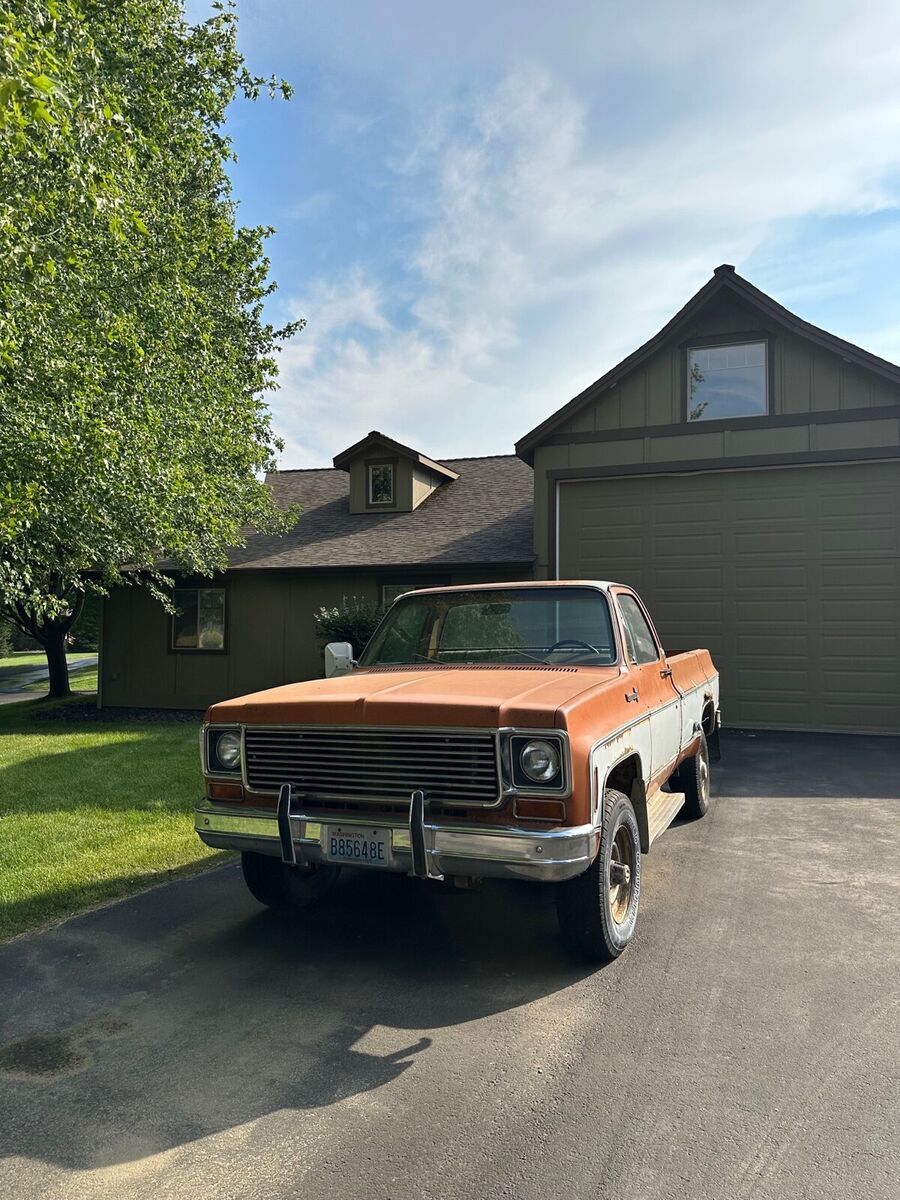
column 134, row 356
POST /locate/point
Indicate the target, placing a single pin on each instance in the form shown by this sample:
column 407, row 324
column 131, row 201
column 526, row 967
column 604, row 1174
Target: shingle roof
column 484, row 516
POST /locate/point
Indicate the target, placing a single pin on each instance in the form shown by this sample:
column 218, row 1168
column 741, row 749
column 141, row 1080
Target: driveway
column 410, row 1042
column 15, row 679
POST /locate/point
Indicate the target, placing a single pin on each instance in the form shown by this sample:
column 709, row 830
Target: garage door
column 790, row 577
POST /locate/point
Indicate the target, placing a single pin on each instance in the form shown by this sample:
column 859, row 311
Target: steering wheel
column 574, row 644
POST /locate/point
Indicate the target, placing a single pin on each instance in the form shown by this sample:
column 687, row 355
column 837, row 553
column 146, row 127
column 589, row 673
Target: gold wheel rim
column 621, row 889
column 704, row 776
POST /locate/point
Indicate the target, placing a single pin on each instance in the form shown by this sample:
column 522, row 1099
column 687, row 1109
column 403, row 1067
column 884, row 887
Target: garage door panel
column 861, row 541
column 693, row 543
column 790, row 611
column 756, row 646
column 884, row 575
column 687, row 579
column 763, row 510
column 790, row 577
column 770, row 543
column 764, row 576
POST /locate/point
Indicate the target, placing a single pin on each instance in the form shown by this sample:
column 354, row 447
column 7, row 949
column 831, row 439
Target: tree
column 134, row 353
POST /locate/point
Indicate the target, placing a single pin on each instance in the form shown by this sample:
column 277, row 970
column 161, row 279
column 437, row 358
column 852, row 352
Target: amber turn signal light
column 539, row 810
column 225, row 791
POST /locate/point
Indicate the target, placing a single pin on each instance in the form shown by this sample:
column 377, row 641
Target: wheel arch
column 626, row 775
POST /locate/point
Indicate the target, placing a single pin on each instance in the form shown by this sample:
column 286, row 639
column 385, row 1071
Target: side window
column 642, row 647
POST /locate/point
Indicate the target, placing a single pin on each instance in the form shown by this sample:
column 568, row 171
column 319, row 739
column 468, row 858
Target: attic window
column 381, row 483
column 727, row 381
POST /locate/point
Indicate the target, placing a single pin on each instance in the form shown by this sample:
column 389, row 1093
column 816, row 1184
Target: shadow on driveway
column 187, row 1010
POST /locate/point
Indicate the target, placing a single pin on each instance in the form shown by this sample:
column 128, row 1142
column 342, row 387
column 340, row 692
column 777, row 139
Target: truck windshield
column 522, row 625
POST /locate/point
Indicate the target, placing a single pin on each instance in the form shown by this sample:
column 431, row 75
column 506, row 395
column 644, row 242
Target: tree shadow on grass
column 188, row 1011
column 153, row 768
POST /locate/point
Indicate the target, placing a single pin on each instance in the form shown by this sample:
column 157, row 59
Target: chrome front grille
column 374, row 764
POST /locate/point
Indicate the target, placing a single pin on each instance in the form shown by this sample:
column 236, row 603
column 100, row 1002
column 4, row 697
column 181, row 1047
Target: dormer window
column 386, row 476
column 381, row 483
column 727, row 381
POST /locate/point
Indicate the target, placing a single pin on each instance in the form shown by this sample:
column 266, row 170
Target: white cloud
column 560, row 222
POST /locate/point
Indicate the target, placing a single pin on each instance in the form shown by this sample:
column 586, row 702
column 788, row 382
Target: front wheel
column 598, row 909
column 278, row 885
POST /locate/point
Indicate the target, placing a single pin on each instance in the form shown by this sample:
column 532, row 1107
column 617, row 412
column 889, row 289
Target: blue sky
column 481, row 207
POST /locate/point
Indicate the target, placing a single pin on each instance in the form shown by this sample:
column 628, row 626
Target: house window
column 381, row 483
column 726, row 381
column 390, row 591
column 199, row 620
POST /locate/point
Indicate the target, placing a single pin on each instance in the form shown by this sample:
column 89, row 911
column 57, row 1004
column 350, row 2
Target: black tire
column 597, row 918
column 692, row 778
column 278, row 885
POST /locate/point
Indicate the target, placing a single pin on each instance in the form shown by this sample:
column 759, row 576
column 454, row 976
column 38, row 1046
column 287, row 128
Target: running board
column 662, row 809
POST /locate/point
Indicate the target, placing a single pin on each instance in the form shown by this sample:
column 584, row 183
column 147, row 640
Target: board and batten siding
column 270, row 635
column 773, row 540
column 820, row 407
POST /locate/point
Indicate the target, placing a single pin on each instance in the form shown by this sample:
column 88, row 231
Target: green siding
column 271, row 636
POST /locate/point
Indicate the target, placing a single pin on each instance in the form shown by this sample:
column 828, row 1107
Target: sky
column 482, row 207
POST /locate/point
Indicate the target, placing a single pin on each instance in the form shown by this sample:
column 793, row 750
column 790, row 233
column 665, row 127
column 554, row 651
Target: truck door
column 653, row 680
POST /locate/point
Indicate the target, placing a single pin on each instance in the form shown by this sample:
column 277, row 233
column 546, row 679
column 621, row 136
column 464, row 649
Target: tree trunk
column 55, row 646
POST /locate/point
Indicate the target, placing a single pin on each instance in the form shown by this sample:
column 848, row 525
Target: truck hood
column 473, row 697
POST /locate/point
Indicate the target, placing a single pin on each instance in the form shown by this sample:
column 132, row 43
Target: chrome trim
column 221, row 776
column 501, row 736
column 550, row 791
column 462, row 730
column 503, row 851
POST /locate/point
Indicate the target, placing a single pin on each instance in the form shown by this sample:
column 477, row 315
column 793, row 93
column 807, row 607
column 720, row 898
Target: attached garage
column 742, row 471
column 790, row 577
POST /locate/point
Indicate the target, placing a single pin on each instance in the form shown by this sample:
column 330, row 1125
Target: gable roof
column 374, row 438
column 484, row 518
column 724, row 279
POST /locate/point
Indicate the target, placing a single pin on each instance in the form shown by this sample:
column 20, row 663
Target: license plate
column 358, row 844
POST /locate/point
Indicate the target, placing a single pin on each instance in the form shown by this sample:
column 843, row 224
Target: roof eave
column 342, row 461
column 724, row 278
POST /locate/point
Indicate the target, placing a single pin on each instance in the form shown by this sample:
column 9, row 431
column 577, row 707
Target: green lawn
column 90, row 810
column 84, row 680
column 25, row 658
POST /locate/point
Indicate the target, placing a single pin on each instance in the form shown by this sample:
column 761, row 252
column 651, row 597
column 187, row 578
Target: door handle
column 666, row 673
column 632, row 695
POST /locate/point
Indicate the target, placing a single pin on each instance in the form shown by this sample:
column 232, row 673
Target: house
column 741, row 469
column 384, row 519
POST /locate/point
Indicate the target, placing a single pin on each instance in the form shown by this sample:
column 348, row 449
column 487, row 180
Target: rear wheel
column 692, row 778
column 278, row 885
column 598, row 910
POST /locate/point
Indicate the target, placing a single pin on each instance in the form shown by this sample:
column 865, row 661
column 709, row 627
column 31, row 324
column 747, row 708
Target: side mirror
column 338, row 659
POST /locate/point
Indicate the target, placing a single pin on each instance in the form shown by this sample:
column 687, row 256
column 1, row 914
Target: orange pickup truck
column 524, row 730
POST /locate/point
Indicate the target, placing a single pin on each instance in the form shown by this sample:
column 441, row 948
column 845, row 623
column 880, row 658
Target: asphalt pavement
column 407, row 1041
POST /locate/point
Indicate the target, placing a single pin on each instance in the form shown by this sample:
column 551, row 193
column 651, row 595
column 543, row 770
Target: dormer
column 386, row 476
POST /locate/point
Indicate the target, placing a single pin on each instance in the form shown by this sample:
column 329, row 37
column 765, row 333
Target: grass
column 84, row 680
column 90, row 810
column 25, row 658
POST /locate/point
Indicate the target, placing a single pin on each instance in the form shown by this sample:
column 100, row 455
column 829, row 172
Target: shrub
column 353, row 621
column 6, row 642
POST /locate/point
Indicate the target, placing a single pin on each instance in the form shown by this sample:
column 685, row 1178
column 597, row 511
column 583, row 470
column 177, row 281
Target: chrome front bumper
column 440, row 850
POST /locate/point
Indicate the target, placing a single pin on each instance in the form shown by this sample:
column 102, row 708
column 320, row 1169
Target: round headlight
column 228, row 750
column 540, row 761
